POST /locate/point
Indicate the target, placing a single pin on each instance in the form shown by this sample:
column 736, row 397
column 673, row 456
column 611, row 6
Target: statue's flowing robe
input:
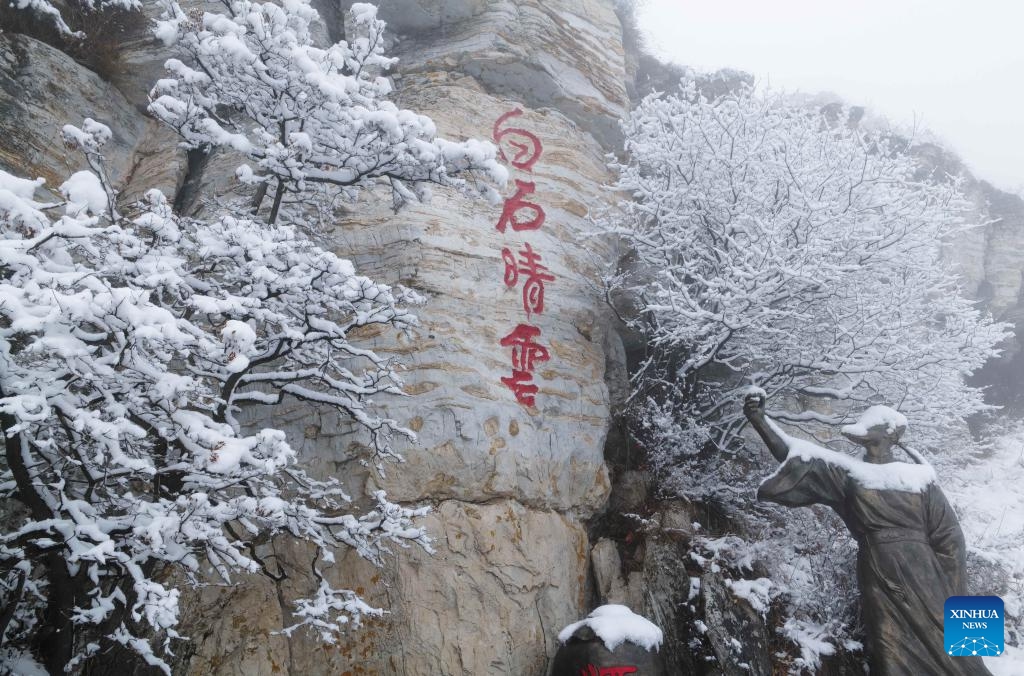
column 910, row 558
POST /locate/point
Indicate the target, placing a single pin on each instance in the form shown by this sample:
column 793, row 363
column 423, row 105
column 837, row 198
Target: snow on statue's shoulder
column 892, row 476
column 616, row 624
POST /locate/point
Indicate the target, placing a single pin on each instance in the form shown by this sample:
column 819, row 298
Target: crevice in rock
column 283, row 603
column 188, row 195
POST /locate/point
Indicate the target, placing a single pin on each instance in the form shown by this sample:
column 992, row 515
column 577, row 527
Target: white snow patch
column 694, row 588
column 23, row 664
column 812, row 641
column 986, row 492
column 1010, row 663
column 239, row 340
column 22, row 188
column 756, row 592
column 84, row 191
column 616, row 624
column 755, row 391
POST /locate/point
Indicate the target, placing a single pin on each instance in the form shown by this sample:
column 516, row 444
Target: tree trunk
column 277, row 202
column 257, row 199
column 55, row 640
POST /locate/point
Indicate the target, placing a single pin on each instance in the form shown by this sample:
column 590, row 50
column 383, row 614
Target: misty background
column 949, row 66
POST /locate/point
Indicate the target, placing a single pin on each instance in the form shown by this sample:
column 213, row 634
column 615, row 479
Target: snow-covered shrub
column 128, row 344
column 984, row 487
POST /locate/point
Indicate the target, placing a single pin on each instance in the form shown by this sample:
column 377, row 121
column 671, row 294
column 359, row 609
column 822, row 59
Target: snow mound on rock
column 615, row 624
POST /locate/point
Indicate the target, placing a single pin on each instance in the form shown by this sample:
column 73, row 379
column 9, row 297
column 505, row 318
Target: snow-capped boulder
column 612, row 639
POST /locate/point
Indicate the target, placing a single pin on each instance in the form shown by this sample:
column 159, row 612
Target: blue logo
column 973, row 625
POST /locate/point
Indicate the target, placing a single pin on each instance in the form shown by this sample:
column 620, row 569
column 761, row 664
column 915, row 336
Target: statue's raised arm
column 753, row 408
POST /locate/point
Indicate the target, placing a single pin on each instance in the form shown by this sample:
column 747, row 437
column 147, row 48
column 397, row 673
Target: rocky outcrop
column 475, row 442
column 482, row 604
column 560, row 54
column 735, row 630
column 513, row 486
column 988, row 259
column 41, row 90
column 987, row 256
column 514, row 481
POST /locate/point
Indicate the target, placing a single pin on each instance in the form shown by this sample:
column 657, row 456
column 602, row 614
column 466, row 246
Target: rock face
column 989, row 260
column 988, row 257
column 514, row 481
column 482, row 604
column 41, row 90
column 736, row 632
column 562, row 54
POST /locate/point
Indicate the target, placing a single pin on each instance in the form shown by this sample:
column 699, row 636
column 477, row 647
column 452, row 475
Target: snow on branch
column 129, row 344
column 254, row 82
column 770, row 243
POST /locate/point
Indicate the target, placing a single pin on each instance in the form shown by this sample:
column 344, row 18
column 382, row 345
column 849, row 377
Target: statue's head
column 879, row 427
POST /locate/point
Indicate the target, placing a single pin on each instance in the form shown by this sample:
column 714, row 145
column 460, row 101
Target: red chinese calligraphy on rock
column 534, row 276
column 591, row 670
column 513, row 211
column 526, row 351
column 527, row 147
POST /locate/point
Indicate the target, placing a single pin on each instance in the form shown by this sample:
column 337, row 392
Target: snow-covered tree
column 128, row 345
column 774, row 246
column 254, row 82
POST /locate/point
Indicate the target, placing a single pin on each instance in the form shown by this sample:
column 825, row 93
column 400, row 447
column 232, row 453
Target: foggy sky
column 957, row 67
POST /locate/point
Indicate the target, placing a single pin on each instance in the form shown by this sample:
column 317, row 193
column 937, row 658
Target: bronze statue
column 911, row 554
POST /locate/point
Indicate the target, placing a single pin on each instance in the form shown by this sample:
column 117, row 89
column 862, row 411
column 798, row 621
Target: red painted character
column 535, row 275
column 525, row 352
column 513, row 205
column 526, row 145
column 591, row 670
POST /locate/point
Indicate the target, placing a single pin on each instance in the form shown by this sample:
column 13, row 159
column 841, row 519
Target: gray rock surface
column 41, row 90
column 609, row 584
column 668, row 601
column 561, row 54
column 735, row 630
column 504, row 580
column 512, row 486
